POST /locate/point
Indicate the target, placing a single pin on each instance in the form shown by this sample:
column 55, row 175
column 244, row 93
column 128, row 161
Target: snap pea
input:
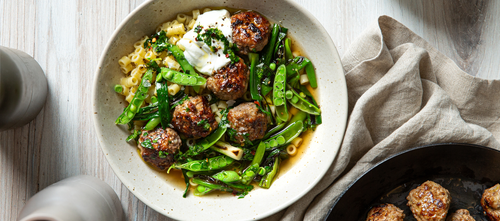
column 182, row 78
column 317, row 118
column 274, row 130
column 227, row 176
column 301, row 103
column 251, row 171
column 206, row 142
column 152, row 123
column 268, row 179
column 244, row 187
column 181, row 59
column 292, row 130
column 254, row 78
column 208, row 164
column 268, row 54
column 288, row 49
column 202, row 190
column 311, row 74
column 211, row 185
column 136, row 102
column 296, row 65
column 279, row 88
column 163, row 104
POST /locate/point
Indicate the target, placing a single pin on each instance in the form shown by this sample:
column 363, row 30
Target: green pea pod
column 268, row 54
column 211, row 185
column 285, row 136
column 181, row 59
column 268, row 179
column 163, row 104
column 206, row 142
column 227, row 176
column 152, row 123
column 136, row 102
column 202, row 190
column 182, row 78
column 311, row 74
column 296, row 65
column 279, row 86
column 301, row 103
column 274, row 130
column 251, row 171
column 279, row 99
column 317, row 118
column 213, row 163
column 288, row 49
column 254, row 78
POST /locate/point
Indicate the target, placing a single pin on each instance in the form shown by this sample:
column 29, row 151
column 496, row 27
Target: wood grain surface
column 67, row 38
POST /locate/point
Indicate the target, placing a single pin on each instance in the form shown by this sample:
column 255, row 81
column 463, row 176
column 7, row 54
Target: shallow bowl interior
column 159, row 191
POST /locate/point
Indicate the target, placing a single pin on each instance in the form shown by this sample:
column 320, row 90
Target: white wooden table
column 67, row 37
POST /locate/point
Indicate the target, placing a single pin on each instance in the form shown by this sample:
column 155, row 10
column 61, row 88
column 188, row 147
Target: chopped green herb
column 204, row 123
column 162, row 154
column 214, row 33
column 187, row 109
column 147, row 144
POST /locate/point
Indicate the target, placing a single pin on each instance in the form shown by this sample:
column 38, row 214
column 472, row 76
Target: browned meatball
column 159, row 146
column 429, row 202
column 194, row 118
column 250, row 31
column 460, row 215
column 230, row 82
column 385, row 212
column 248, row 121
column 491, row 202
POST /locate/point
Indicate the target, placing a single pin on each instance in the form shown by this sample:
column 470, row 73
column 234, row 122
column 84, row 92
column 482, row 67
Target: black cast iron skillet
column 465, row 170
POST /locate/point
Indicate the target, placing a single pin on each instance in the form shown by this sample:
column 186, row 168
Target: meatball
column 250, row 31
column 248, row 122
column 385, row 212
column 230, row 82
column 159, row 146
column 460, row 215
column 194, row 118
column 429, row 202
column 491, row 202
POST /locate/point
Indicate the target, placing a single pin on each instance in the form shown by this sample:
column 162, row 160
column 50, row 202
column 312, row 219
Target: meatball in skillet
column 460, row 215
column 248, row 121
column 429, row 202
column 250, row 31
column 385, row 212
column 194, row 118
column 229, row 82
column 159, row 146
column 491, row 202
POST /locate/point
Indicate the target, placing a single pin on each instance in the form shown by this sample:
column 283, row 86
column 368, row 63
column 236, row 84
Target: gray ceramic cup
column 79, row 198
column 23, row 88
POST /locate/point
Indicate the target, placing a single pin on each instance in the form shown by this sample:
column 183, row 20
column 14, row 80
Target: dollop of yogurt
column 198, row 53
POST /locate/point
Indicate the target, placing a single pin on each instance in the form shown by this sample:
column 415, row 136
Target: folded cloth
column 403, row 93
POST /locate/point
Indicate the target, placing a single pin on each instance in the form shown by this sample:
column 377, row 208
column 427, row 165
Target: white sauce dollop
column 198, row 53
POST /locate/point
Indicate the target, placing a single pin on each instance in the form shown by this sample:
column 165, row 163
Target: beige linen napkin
column 403, row 93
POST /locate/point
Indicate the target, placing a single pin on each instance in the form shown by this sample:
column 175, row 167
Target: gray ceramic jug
column 23, row 88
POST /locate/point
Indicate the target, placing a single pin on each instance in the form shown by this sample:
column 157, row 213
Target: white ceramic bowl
column 153, row 188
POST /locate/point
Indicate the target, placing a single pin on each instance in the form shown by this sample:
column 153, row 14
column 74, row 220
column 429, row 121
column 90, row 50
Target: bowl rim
column 321, row 174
